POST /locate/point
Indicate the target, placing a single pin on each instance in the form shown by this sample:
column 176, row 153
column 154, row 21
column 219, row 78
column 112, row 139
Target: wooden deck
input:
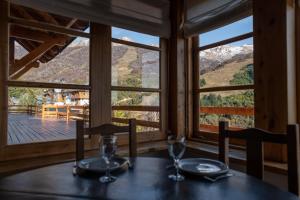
column 24, row 128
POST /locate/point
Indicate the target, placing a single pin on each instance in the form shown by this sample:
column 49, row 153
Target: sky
column 237, row 28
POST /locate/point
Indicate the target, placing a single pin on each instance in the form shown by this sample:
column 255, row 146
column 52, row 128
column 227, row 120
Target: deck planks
column 23, row 128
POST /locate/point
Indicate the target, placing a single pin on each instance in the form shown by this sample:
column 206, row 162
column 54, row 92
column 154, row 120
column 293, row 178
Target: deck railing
column 146, row 123
column 241, row 111
column 28, row 109
column 65, row 111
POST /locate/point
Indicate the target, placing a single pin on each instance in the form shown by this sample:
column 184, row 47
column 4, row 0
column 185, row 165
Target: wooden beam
column 48, row 27
column 18, row 67
column 134, row 89
column 177, row 88
column 47, row 85
column 225, row 88
column 4, row 63
column 25, row 69
column 33, row 35
column 100, row 74
column 22, row 12
column 270, row 70
column 30, row 34
column 71, row 23
column 297, row 43
column 47, row 17
column 163, row 115
column 134, row 44
column 11, row 50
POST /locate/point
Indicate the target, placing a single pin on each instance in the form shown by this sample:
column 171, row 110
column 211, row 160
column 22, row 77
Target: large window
column 48, row 83
column 136, row 79
column 224, row 77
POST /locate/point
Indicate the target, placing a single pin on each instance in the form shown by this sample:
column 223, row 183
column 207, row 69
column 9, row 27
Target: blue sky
column 134, row 36
column 238, row 28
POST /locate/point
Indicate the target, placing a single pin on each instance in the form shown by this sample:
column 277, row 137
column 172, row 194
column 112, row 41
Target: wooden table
column 148, row 180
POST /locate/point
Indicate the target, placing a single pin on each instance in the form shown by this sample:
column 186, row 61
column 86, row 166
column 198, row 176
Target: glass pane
column 134, row 67
column 126, row 98
column 229, row 31
column 132, row 36
column 150, row 120
column 69, row 65
column 42, row 115
column 226, row 65
column 237, row 107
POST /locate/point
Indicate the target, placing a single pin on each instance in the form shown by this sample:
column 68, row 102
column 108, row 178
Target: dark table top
column 148, row 180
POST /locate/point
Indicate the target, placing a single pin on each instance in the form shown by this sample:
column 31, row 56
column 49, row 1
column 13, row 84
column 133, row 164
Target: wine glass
column 108, row 149
column 176, row 147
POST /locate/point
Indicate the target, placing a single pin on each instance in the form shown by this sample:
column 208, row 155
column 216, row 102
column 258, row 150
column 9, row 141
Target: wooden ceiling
column 32, row 39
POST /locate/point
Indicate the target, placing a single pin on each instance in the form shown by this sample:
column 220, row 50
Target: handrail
column 137, row 108
column 244, row 111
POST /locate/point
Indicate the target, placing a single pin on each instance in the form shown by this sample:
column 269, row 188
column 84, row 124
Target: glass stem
column 176, row 166
column 107, row 170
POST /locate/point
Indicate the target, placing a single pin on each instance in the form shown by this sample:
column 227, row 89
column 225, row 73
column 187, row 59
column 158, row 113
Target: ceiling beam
column 33, row 35
column 19, row 66
column 48, row 27
column 71, row 22
column 47, row 17
column 25, row 69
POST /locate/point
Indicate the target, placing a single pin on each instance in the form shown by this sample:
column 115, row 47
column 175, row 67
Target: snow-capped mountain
column 214, row 58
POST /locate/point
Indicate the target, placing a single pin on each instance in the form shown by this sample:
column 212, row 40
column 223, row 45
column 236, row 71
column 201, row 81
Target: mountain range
column 71, row 65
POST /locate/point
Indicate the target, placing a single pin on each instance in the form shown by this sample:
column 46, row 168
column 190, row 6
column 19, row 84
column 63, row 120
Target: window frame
column 161, row 91
column 206, row 136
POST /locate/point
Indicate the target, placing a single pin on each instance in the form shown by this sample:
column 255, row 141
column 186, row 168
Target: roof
column 19, row 33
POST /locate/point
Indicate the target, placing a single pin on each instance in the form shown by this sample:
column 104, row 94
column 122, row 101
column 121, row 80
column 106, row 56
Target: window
column 136, row 80
column 48, row 83
column 225, row 84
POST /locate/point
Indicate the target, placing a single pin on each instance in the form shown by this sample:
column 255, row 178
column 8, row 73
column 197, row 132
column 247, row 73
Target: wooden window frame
column 206, row 136
column 161, row 91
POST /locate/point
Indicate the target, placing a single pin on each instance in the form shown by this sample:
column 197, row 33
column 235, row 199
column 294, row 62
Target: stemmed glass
column 108, row 148
column 176, row 147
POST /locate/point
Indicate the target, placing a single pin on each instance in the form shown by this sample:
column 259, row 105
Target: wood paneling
column 177, row 87
column 4, row 69
column 270, row 74
column 100, row 74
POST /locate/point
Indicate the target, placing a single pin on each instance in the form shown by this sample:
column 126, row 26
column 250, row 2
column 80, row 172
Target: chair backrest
column 105, row 129
column 254, row 150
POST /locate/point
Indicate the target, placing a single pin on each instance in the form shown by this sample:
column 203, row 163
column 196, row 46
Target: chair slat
column 255, row 160
column 105, row 129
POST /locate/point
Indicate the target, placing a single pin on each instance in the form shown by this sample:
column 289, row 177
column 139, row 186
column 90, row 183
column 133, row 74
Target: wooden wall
column 272, row 86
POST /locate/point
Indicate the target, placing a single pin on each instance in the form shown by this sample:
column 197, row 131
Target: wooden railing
column 242, row 111
column 145, row 123
column 69, row 112
column 28, row 109
column 82, row 112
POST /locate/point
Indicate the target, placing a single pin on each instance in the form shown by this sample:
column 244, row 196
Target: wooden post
column 4, row 70
column 68, row 113
column 273, row 94
column 100, row 74
column 177, row 86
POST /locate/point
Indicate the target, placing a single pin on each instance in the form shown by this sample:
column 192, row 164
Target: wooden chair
column 105, row 129
column 254, row 150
